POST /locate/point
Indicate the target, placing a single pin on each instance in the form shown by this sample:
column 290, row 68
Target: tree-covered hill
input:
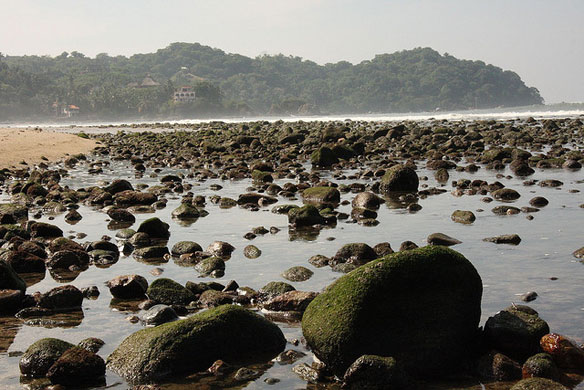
column 143, row 84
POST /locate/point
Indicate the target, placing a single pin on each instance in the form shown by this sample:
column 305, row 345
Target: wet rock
column 44, row 230
column 121, row 215
column 516, row 332
column 186, row 211
column 118, row 185
column 370, row 372
column 363, row 214
column 140, row 240
column 551, row 183
column 283, row 209
column 529, row 296
column 505, row 210
column 134, row 198
column 441, row 175
column 151, row 252
column 297, row 274
column 91, row 292
column 245, row 374
column 367, row 200
column 220, row 249
column 571, row 164
column 291, row 301
column 214, row 298
column 62, row 243
column 77, row 366
column 261, row 177
column 184, row 247
column 506, row 194
column 252, row 252
column 228, row 332
column 319, row 261
column 10, row 301
column 252, row 198
column 210, row 264
column 383, row 249
column 407, row 245
column 323, row 157
column 61, row 298
column 578, row 253
column 155, row 228
column 356, row 253
column 159, row 314
column 321, row 195
column 273, row 289
column 495, row 366
column 305, row 216
column 541, row 366
column 169, row 292
column 128, row 286
column 307, row 373
column 23, row 262
column 463, row 216
column 16, row 211
column 67, row 258
column 73, row 216
column 442, row 239
column 41, row 355
column 91, row 344
column 565, row 353
column 289, row 356
column 399, row 178
column 435, row 285
column 512, row 239
column 538, row 384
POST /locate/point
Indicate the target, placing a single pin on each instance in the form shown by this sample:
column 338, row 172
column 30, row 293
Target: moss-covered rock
column 155, row 228
column 230, row 333
column 399, row 178
column 210, row 264
column 261, row 176
column 169, row 292
column 41, row 355
column 186, row 211
column 273, row 289
column 297, row 274
column 541, row 365
column 183, row 247
column 323, row 157
column 17, row 211
column 538, row 384
column 371, row 311
column 321, row 195
column 307, row 215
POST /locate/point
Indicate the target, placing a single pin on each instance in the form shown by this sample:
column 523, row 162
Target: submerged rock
column 435, row 285
column 230, row 333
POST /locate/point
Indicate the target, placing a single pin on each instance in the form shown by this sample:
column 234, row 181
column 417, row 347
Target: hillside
column 142, row 85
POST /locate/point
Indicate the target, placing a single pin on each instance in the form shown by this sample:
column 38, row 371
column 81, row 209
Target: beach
column 31, row 145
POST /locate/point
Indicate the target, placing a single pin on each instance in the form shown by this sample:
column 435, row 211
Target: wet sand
column 18, row 145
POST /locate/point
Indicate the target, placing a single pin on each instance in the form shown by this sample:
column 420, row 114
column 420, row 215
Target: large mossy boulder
column 321, row 195
column 399, row 178
column 169, row 292
column 323, row 157
column 304, row 216
column 538, row 384
column 230, row 333
column 421, row 306
column 41, row 355
column 155, row 228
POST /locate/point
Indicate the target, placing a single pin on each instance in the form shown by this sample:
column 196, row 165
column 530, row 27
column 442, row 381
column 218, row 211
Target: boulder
column 538, row 384
column 9, row 279
column 121, row 215
column 128, row 286
column 273, row 289
column 210, row 264
column 155, row 228
column 44, row 230
column 184, row 247
column 565, row 352
column 118, row 185
column 323, row 157
column 463, row 216
column 23, row 262
column 355, row 253
column 370, row 372
column 220, row 249
column 297, row 274
column 230, row 333
column 169, row 292
column 77, row 367
column 159, row 314
column 541, row 365
column 10, row 301
column 369, row 311
column 399, row 178
column 41, row 355
column 134, row 198
column 62, row 298
column 321, row 195
column 367, row 200
column 186, row 211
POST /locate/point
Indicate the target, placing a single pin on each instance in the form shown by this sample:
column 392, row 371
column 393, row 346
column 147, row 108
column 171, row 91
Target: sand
column 17, row 145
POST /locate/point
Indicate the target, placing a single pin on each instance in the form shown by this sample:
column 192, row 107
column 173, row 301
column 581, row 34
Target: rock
column 512, row 239
column 23, row 262
column 140, row 240
column 62, row 244
column 41, row 355
column 541, row 366
column 463, row 216
column 91, row 344
column 297, row 274
column 305, row 216
column 441, row 175
column 539, row 201
column 323, row 157
column 296, row 301
column 169, row 292
column 274, row 289
column 159, row 314
column 538, row 384
column 183, row 247
column 261, row 177
column 399, row 178
column 118, row 185
column 128, row 286
column 73, row 216
column 44, row 230
column 506, row 194
column 363, row 214
column 566, row 353
column 67, row 258
column 578, row 253
column 134, row 198
column 551, row 183
column 62, row 298
column 307, row 373
column 77, row 366
column 370, row 372
column 356, row 253
column 435, row 285
column 367, row 200
column 319, row 261
column 252, row 198
column 210, row 264
column 495, row 366
column 383, row 249
column 516, row 332
column 505, row 210
column 220, row 249
column 214, row 298
column 186, row 211
column 121, row 215
column 17, row 211
column 529, row 296
column 252, row 252
column 228, row 332
column 245, row 374
column 151, row 252
column 321, row 195
column 10, row 301
column 442, row 239
column 155, row 228
column 407, row 245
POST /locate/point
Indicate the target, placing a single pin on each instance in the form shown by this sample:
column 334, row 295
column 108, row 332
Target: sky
column 541, row 40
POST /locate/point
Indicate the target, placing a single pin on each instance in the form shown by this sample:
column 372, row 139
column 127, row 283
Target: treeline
column 143, row 85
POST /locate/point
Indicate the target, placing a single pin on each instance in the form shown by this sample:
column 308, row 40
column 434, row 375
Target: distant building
column 184, row 94
column 71, row 111
column 64, row 110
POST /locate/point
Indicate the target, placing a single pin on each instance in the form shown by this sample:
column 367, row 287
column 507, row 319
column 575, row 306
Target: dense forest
column 143, row 85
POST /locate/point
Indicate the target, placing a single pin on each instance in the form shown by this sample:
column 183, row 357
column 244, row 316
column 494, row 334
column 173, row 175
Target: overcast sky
column 541, row 40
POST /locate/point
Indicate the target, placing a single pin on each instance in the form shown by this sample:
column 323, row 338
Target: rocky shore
column 401, row 315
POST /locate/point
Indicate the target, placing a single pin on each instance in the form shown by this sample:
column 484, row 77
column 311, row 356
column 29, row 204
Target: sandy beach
column 18, row 145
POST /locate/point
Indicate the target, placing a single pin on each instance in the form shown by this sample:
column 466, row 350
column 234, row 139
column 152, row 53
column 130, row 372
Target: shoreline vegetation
column 150, row 85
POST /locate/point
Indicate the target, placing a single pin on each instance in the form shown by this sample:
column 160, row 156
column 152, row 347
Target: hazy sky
column 541, row 40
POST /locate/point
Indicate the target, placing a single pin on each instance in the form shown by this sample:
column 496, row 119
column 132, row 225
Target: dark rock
column 134, row 198
column 539, row 201
column 91, row 344
column 62, row 244
column 169, row 292
column 463, row 216
column 538, row 384
column 128, row 286
column 399, row 178
column 296, row 301
column 505, row 210
column 155, row 228
column 91, row 292
column 370, row 372
column 321, row 195
column 220, row 249
column 159, row 314
column 506, row 194
column 151, row 252
column 367, row 200
column 319, row 261
column 77, row 366
column 61, row 298
column 23, row 262
column 183, row 247
column 516, row 332
column 228, row 332
column 383, row 249
column 186, row 211
column 210, row 264
column 297, row 274
column 273, row 289
column 495, row 366
column 541, row 365
column 435, row 285
column 252, row 252
column 41, row 355
column 305, row 216
column 442, row 239
column 512, row 239
column 44, row 230
column 67, row 258
column 214, row 298
column 529, row 296
column 10, row 301
column 118, row 185
column 356, row 253
column 73, row 216
column 407, row 245
column 121, row 215
column 323, row 157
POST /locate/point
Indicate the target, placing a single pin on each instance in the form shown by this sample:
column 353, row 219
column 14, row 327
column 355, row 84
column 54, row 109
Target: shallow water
column 507, row 271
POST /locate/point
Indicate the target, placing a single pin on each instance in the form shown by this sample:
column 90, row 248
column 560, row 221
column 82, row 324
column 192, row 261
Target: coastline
column 31, row 145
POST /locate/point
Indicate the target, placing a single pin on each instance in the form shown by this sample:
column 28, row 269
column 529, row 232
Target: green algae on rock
column 421, row 307
column 230, row 333
column 399, row 178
